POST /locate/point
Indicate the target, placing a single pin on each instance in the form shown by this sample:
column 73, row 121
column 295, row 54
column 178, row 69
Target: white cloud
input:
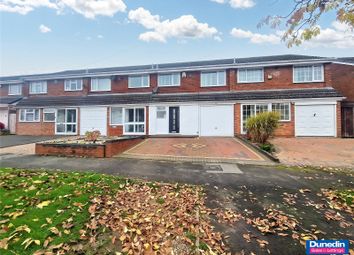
column 185, row 26
column 100, row 36
column 25, row 6
column 44, row 29
column 237, row 4
column 92, row 8
column 88, row 8
column 338, row 36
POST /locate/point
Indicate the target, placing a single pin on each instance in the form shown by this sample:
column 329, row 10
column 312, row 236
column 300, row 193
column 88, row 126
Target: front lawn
column 86, row 213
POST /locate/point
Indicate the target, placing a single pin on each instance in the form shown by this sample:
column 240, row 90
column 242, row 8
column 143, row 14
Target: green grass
column 347, row 196
column 68, row 196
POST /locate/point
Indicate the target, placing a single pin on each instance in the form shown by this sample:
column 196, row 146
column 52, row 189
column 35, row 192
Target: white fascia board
column 343, row 63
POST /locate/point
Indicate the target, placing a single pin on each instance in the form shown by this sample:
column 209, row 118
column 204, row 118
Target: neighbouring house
column 203, row 98
column 10, row 95
column 343, row 81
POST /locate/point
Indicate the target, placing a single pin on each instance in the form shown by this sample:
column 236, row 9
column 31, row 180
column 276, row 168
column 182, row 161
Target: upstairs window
column 100, row 84
column 139, row 81
column 211, row 79
column 168, row 80
column 29, row 115
column 15, row 89
column 73, row 85
column 250, row 75
column 38, row 87
column 312, row 73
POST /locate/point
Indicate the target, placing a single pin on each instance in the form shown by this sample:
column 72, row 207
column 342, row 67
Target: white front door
column 217, row 120
column 66, row 122
column 315, row 120
column 93, row 118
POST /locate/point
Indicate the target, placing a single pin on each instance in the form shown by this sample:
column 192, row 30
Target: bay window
column 211, row 79
column 15, row 89
column 29, row 115
column 38, row 87
column 310, row 73
column 167, row 80
column 250, row 75
column 139, row 81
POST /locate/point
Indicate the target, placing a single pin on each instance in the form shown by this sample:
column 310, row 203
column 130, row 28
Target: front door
column 174, row 120
column 66, row 122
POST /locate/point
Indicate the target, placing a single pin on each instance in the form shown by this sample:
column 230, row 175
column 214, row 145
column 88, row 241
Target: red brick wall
column 343, row 80
column 97, row 151
column 339, row 119
column 285, row 129
column 34, row 128
column 282, row 78
column 118, row 147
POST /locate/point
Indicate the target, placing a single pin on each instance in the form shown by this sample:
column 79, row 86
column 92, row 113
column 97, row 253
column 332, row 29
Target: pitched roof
column 349, row 60
column 145, row 98
column 165, row 66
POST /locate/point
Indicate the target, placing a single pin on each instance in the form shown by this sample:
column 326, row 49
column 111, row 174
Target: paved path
column 333, row 152
column 13, row 140
column 200, row 149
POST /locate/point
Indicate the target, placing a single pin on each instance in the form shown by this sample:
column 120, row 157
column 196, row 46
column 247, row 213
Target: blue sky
column 45, row 36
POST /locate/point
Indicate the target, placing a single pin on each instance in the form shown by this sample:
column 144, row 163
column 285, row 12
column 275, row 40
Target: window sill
column 303, row 82
column 36, row 121
column 213, row 86
column 248, row 82
column 39, row 93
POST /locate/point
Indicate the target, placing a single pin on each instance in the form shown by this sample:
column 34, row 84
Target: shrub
column 262, row 126
column 92, row 136
column 2, row 126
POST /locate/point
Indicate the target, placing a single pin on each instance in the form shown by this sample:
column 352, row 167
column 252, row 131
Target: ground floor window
column 66, row 121
column 134, row 120
column 29, row 115
column 48, row 115
column 116, row 115
column 250, row 110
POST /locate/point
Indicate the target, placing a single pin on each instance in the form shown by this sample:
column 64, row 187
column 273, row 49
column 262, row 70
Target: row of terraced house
column 314, row 96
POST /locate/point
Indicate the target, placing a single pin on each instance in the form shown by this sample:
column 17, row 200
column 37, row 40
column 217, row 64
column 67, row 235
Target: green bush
column 262, row 126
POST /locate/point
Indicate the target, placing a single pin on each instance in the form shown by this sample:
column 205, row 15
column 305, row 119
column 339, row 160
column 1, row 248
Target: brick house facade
column 190, row 103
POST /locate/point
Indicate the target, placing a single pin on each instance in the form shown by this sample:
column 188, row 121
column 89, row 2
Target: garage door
column 217, row 120
column 93, row 118
column 315, row 120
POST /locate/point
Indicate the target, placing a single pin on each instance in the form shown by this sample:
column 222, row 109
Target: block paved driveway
column 201, row 148
column 332, row 152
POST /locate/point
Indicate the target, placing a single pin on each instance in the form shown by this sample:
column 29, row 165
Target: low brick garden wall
column 106, row 149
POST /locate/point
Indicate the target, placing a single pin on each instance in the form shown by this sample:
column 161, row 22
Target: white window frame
column 43, row 84
column 134, row 123
column 15, row 94
column 49, row 110
column 28, row 111
column 172, row 84
column 110, row 116
column 313, row 73
column 69, row 82
column 217, row 79
column 269, row 109
column 65, row 123
column 141, row 82
column 247, row 69
column 101, row 78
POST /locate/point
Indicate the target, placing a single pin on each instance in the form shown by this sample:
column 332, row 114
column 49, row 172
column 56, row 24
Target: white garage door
column 315, row 120
column 217, row 120
column 93, row 118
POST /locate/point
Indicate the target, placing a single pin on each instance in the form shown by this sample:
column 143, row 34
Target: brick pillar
column 339, row 119
column 237, row 119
